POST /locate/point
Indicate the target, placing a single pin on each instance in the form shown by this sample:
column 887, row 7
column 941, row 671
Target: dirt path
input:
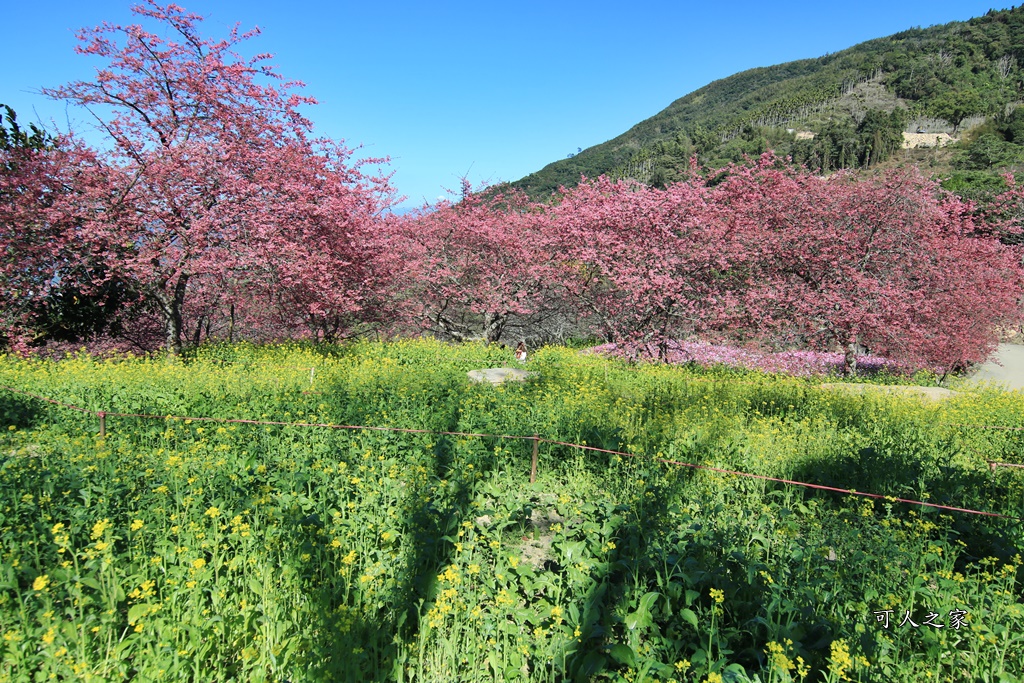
column 1006, row 367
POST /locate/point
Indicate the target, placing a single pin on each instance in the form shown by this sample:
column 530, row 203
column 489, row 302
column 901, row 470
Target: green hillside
column 856, row 103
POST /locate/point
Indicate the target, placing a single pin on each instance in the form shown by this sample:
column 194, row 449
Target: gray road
column 1009, row 371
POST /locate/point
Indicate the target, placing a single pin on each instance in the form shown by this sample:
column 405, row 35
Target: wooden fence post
column 533, row 462
column 103, row 424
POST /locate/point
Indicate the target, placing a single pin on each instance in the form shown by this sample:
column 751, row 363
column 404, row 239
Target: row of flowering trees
column 213, row 212
column 764, row 253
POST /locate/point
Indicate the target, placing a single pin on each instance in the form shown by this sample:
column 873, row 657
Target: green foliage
column 997, row 144
column 210, row 551
column 13, row 136
column 956, row 105
column 841, row 143
column 988, row 151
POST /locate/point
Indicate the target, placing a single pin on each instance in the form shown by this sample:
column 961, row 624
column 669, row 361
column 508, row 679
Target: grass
column 194, row 550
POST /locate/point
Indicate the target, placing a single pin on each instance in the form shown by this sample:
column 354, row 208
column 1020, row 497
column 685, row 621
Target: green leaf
column 648, row 601
column 639, row 619
column 573, row 550
column 623, row 654
column 689, row 616
column 136, row 612
column 593, row 664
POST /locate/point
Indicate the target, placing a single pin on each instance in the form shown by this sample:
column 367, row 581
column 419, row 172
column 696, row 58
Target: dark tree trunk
column 171, row 305
column 197, row 335
column 494, row 325
column 850, row 358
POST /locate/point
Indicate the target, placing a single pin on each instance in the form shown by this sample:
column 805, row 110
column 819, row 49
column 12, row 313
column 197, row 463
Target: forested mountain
column 843, row 110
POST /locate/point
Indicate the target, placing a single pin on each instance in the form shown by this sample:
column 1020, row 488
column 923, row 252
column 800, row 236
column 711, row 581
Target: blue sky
column 486, row 89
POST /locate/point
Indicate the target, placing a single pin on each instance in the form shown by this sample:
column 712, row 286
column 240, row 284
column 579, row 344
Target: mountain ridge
column 947, row 73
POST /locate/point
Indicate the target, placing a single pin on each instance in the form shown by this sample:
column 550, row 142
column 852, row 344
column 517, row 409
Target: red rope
column 950, row 424
column 228, row 420
column 791, row 482
column 849, row 492
column 48, row 400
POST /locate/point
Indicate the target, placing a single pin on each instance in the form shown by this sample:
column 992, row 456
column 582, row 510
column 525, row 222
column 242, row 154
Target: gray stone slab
column 499, row 375
column 1006, row 368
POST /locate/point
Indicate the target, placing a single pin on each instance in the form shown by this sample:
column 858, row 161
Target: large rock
column 499, row 375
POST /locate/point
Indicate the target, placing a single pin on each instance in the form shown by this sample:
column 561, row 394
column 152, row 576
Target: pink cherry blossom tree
column 648, row 265
column 887, row 262
column 474, row 267
column 211, row 186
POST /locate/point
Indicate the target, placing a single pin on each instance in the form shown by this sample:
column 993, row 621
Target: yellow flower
column 777, row 657
column 683, row 665
column 719, row 598
column 713, row 677
column 199, row 563
column 212, row 512
column 802, row 668
column 41, row 582
column 99, row 528
column 136, row 525
column 840, row 659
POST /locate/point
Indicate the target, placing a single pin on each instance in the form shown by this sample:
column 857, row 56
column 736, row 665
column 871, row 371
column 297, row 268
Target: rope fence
column 1000, row 427
column 536, row 441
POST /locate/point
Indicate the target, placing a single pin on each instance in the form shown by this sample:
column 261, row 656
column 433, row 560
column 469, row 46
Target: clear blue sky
column 494, row 90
